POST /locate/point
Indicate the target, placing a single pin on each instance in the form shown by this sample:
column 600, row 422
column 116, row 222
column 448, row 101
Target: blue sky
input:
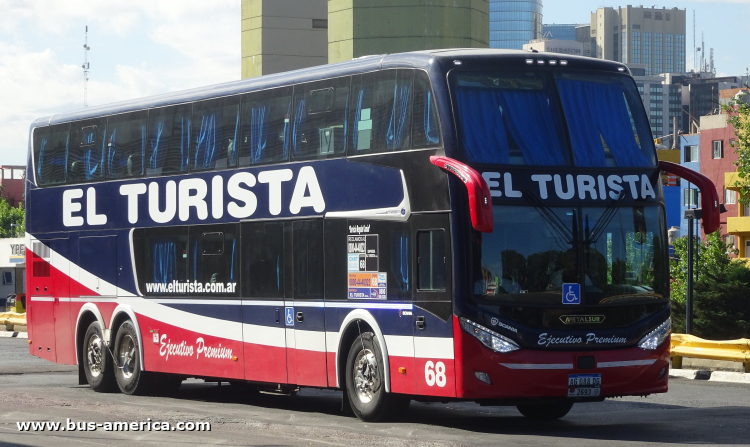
column 145, row 47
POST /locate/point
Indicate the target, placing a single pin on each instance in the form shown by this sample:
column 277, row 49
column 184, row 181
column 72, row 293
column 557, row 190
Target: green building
column 361, row 27
column 283, row 35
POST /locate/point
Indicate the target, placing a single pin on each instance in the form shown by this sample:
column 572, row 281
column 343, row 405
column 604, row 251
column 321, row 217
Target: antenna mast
column 694, row 47
column 86, row 67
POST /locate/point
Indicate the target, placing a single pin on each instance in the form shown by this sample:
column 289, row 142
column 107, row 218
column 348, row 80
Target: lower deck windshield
column 618, row 255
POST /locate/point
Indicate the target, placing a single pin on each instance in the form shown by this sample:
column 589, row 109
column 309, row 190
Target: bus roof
column 416, row 59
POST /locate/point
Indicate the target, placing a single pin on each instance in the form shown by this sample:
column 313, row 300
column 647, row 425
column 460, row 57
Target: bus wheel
column 545, row 410
column 130, row 378
column 97, row 362
column 365, row 382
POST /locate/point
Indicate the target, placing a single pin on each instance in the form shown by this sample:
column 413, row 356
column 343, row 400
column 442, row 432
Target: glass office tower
column 514, row 22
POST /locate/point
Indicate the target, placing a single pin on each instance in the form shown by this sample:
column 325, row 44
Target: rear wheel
column 365, row 382
column 545, row 410
column 97, row 362
column 130, row 378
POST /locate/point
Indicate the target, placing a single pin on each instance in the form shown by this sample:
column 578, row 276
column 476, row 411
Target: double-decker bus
column 457, row 224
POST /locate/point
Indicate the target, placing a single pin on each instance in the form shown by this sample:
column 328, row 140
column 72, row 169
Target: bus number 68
column 434, row 373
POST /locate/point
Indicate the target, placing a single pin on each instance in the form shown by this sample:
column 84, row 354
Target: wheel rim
column 366, row 377
column 127, row 357
column 94, row 355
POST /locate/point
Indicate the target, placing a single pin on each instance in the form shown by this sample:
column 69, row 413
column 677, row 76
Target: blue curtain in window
column 529, row 120
column 299, row 120
column 205, row 143
column 41, row 162
column 597, row 111
column 164, row 256
column 195, row 255
column 92, row 163
column 231, row 263
column 400, row 111
column 430, row 122
column 258, row 132
column 401, row 253
column 234, row 144
column 483, row 137
column 184, row 143
column 287, row 129
column 112, row 150
column 153, row 160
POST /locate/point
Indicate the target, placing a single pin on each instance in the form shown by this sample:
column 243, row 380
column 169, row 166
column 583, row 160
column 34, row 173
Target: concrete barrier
column 10, row 319
column 690, row 346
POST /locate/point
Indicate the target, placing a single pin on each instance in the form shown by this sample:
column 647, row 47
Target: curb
column 8, row 334
column 710, row 376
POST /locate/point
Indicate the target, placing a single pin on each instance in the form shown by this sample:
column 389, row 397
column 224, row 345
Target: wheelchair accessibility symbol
column 571, row 293
column 289, row 316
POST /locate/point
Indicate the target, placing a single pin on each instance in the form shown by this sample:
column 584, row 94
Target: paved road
column 693, row 412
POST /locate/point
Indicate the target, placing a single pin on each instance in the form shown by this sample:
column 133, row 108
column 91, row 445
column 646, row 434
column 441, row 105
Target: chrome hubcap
column 127, row 356
column 94, row 355
column 366, row 377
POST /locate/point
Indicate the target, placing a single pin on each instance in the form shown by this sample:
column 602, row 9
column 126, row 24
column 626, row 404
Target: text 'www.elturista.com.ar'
column 147, row 425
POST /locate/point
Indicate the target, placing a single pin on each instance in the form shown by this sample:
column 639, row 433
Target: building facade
column 363, row 27
column 690, row 158
column 560, row 31
column 12, row 184
column 555, row 46
column 638, row 35
column 514, row 23
column 283, row 35
column 717, row 159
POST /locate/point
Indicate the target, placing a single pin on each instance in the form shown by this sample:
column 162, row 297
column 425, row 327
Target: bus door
column 263, row 291
column 304, row 314
column 433, row 334
column 49, row 314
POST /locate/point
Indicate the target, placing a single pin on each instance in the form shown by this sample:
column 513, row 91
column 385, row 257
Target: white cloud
column 195, row 43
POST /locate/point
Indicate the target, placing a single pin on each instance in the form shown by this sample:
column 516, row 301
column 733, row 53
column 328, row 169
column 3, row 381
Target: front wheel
column 97, row 362
column 545, row 411
column 365, row 382
column 130, row 377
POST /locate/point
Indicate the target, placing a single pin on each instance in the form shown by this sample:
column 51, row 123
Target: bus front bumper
column 530, row 373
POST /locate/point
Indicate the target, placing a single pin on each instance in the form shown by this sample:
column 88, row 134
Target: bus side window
column 263, row 260
column 431, row 260
column 425, row 127
column 214, row 260
column 161, row 258
column 86, row 151
column 381, row 111
column 320, row 114
column 50, row 151
column 125, row 145
column 266, row 127
column 214, row 135
column 167, row 148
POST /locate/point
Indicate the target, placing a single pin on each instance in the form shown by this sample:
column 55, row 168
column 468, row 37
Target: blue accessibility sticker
column 571, row 293
column 289, row 316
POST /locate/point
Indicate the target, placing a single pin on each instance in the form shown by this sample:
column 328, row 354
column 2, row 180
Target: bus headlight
column 488, row 337
column 657, row 336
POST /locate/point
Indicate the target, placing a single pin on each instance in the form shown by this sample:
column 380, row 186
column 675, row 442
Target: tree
column 721, row 309
column 14, row 216
column 739, row 117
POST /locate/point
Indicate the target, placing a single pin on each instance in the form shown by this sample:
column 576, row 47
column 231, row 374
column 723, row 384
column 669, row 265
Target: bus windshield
column 617, row 254
column 542, row 118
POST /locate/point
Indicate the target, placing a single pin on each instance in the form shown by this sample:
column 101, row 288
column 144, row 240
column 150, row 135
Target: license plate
column 584, row 385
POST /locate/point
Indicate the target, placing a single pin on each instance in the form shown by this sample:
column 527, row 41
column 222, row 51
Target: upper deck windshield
column 544, row 118
column 618, row 254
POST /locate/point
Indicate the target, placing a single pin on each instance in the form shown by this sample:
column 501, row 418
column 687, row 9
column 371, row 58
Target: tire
column 365, row 382
column 130, row 378
column 545, row 411
column 97, row 361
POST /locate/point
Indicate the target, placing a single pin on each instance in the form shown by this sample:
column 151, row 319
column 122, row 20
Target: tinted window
column 381, row 111
column 308, row 259
column 425, row 126
column 266, row 126
column 214, row 259
column 50, row 152
column 263, row 260
column 126, row 145
column 163, row 258
column 431, row 260
column 86, row 151
column 168, row 146
column 383, row 251
column 320, row 114
column 215, row 134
